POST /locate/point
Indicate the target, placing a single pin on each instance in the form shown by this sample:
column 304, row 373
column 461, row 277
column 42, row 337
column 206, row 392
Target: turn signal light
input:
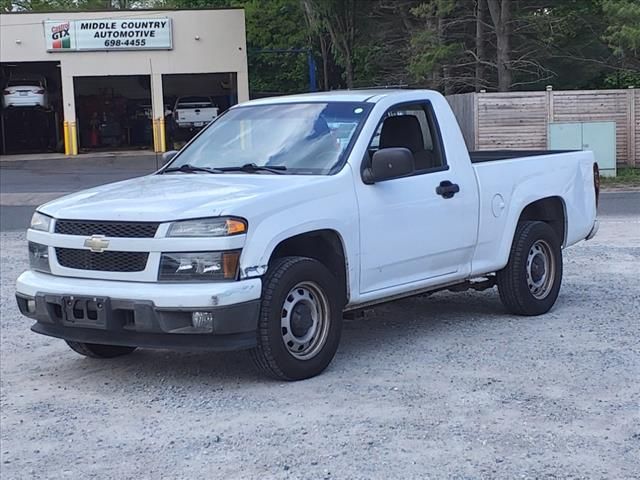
column 230, row 262
column 235, row 226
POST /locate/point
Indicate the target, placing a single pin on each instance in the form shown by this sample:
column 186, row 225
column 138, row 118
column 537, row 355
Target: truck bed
column 494, row 155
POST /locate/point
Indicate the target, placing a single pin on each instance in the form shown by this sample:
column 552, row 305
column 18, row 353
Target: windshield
column 201, row 102
column 24, row 83
column 306, row 138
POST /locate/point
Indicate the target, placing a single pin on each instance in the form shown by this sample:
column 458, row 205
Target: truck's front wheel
column 95, row 350
column 530, row 283
column 300, row 319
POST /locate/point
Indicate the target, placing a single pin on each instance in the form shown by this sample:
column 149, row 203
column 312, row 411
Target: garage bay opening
column 31, row 111
column 114, row 112
column 192, row 101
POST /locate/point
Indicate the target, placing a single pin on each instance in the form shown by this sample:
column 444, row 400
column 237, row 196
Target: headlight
column 208, row 227
column 39, row 257
column 40, row 222
column 199, row 266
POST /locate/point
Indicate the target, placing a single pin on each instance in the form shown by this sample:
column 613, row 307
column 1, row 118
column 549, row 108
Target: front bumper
column 144, row 315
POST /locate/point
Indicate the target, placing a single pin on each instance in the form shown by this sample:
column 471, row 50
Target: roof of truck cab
column 367, row 95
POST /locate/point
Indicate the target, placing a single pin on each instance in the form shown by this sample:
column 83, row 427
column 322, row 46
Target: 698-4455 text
column 137, row 42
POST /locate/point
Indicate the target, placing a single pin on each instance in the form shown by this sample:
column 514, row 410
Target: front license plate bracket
column 85, row 311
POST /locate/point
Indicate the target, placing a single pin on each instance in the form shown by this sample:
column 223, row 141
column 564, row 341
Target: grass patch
column 627, row 177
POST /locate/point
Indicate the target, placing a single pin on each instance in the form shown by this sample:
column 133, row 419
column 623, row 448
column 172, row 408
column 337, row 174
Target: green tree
column 623, row 36
column 273, row 26
column 389, row 29
column 566, row 40
column 70, row 5
column 452, row 45
column 434, row 50
column 340, row 18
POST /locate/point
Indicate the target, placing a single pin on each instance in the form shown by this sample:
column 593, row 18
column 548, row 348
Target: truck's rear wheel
column 300, row 319
column 530, row 283
column 95, row 350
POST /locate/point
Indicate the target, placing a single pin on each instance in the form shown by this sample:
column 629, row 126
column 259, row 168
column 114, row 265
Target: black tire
column 519, row 291
column 273, row 354
column 95, row 350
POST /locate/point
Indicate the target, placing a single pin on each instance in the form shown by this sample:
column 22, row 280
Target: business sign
column 108, row 34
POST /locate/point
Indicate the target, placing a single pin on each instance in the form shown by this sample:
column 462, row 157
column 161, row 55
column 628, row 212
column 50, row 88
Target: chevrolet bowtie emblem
column 96, row 243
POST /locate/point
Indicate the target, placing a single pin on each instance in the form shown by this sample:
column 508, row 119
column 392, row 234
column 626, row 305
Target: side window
column 411, row 126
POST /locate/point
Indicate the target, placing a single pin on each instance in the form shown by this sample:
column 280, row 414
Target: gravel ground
column 447, row 386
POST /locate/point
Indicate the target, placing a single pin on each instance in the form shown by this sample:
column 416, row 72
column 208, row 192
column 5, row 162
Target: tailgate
column 196, row 114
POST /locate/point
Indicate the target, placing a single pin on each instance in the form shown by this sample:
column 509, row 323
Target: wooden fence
column 520, row 120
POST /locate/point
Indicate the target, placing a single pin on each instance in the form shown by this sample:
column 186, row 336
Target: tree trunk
column 446, row 75
column 317, row 32
column 436, row 72
column 500, row 11
column 324, row 50
column 479, row 80
column 338, row 18
column 504, row 48
column 348, row 68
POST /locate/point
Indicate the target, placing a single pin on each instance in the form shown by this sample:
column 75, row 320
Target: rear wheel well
column 550, row 210
column 324, row 246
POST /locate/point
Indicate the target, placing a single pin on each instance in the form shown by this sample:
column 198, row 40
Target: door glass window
column 412, row 127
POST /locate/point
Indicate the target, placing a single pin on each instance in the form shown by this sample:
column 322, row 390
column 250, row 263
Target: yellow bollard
column 163, row 141
column 65, row 130
column 73, row 134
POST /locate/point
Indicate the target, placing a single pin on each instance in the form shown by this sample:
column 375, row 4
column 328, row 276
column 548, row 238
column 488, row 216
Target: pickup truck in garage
column 287, row 213
column 194, row 112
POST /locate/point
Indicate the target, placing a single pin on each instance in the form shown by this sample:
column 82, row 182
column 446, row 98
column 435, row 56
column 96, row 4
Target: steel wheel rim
column 305, row 320
column 541, row 269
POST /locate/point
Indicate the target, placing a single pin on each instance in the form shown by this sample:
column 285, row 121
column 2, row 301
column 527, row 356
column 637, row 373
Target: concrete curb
column 25, row 199
column 620, row 189
column 80, row 157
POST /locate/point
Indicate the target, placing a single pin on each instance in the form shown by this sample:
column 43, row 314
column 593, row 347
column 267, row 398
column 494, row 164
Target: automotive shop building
column 109, row 80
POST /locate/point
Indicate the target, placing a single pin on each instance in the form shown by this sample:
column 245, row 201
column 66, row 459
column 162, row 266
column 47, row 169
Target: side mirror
column 389, row 163
column 168, row 156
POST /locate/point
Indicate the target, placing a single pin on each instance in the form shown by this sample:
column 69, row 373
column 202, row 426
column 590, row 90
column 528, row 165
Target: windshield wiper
column 186, row 168
column 252, row 167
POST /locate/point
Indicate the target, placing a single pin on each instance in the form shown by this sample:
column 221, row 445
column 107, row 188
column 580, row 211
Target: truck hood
column 161, row 198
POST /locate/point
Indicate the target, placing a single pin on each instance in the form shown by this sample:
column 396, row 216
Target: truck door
column 416, row 227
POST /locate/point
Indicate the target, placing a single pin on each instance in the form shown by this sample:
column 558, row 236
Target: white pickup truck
column 194, row 112
column 285, row 214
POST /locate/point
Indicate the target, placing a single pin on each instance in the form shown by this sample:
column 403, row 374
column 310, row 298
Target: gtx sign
column 108, row 34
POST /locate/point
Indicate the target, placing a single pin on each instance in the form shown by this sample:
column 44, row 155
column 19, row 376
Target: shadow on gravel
column 156, row 368
column 420, row 323
column 424, row 318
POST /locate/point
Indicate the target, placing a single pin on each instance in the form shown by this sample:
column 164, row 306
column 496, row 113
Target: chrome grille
column 108, row 229
column 104, row 261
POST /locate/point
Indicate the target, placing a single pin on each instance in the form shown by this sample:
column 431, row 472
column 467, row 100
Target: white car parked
column 286, row 212
column 22, row 92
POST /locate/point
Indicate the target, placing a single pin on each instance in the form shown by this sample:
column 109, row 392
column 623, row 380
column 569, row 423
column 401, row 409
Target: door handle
column 447, row 189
